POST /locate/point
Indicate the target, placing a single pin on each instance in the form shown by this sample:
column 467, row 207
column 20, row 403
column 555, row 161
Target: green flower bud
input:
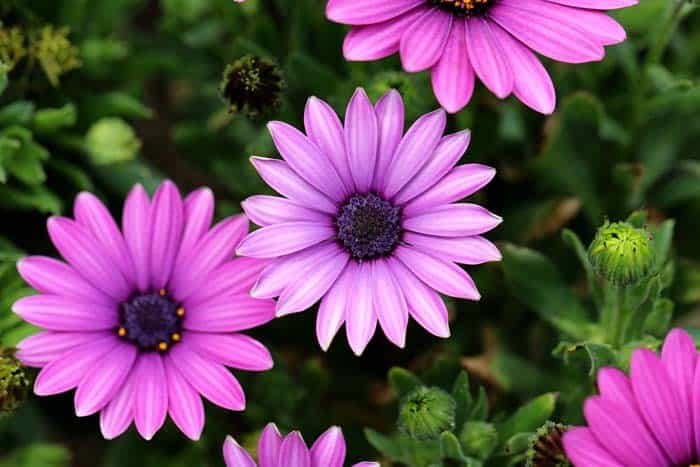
column 546, row 449
column 252, row 85
column 426, row 412
column 111, row 140
column 12, row 47
column 56, row 54
column 479, row 439
column 13, row 382
column 621, row 253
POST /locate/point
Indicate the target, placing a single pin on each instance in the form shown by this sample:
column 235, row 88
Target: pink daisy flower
column 369, row 222
column 291, row 450
column 649, row 419
column 145, row 320
column 492, row 39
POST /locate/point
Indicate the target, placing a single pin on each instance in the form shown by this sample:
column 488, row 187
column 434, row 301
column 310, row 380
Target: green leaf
column 51, row 120
column 589, row 355
column 403, row 381
column 17, row 113
column 529, row 417
column 44, row 455
column 658, row 321
column 383, row 444
column 479, row 439
column 462, row 395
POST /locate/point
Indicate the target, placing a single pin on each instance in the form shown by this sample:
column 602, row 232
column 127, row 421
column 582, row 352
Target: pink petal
column 583, row 449
column 424, row 40
column 453, row 220
column 43, row 347
column 453, row 74
column 199, row 212
column 267, row 210
column 597, row 4
column 465, row 250
column 367, row 11
column 137, row 233
column 293, row 452
column 119, row 413
column 184, row 403
column 269, row 446
column 488, row 58
column 361, row 139
column 389, row 303
column 390, row 121
column 229, row 314
column 283, row 239
column 234, row 350
column 235, row 455
column 360, row 317
column 151, row 394
column 235, row 277
column 166, row 218
column 65, row 314
column 329, row 449
column 331, row 312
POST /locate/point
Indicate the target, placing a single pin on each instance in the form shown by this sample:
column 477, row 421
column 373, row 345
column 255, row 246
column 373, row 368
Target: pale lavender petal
column 307, row 160
column 390, row 121
column 283, row 239
column 137, row 233
column 119, row 413
column 235, row 455
column 453, row 220
column 184, row 403
column 79, row 247
column 199, row 213
column 453, row 75
column 269, row 446
column 293, row 452
column 267, row 210
column 367, row 11
column 58, row 313
column 361, row 139
column 229, row 314
column 445, row 157
column 331, row 312
column 425, row 305
column 443, row 276
column 465, row 250
column 367, row 464
column 461, row 182
column 584, row 451
column 104, row 379
column 329, row 449
column 211, row 380
column 234, row 350
column 389, row 302
column 235, row 277
column 41, row 348
column 151, row 394
column 412, row 153
column 286, row 182
column 167, row 222
column 423, row 42
column 54, row 277
column 597, row 4
column 488, row 58
column 324, row 128
column 653, row 389
column 68, row 370
column 312, row 283
column 360, row 317
column 93, row 215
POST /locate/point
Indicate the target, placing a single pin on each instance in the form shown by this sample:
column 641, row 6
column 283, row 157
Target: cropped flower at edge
column 369, row 223
column 291, row 450
column 144, row 321
column 491, row 39
column 650, row 418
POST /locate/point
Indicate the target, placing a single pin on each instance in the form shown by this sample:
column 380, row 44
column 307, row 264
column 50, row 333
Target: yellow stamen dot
column 163, row 292
column 176, row 337
column 121, row 332
column 180, row 312
column 163, row 346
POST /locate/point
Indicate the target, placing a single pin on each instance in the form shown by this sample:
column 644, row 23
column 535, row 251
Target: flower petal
column 361, row 139
column 584, row 451
column 331, row 312
column 453, row 75
column 488, row 58
column 424, row 40
column 465, row 250
column 234, row 350
column 267, row 210
column 234, row 277
column 65, row 314
column 360, row 317
column 390, row 121
column 293, row 452
column 367, row 11
column 235, row 455
column 119, row 413
column 269, row 446
column 151, row 393
column 389, row 303
column 283, row 239
column 137, row 233
column 167, row 222
column 453, row 220
column 184, row 403
column 41, row 348
column 199, row 213
column 329, row 449
column 229, row 314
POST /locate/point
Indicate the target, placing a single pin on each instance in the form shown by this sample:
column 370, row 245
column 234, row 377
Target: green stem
column 664, row 37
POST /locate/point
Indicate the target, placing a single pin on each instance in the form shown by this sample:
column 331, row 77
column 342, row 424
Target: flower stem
column 666, row 32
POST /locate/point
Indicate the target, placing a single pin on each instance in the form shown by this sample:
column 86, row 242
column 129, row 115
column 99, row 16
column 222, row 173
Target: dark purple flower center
column 369, row 226
column 152, row 321
column 464, row 8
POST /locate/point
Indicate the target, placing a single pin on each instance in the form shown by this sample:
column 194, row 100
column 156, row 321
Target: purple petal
column 199, row 213
column 361, row 139
column 119, row 413
column 65, row 314
column 465, row 250
column 488, row 58
column 184, row 403
column 269, row 446
column 167, row 223
column 234, row 350
column 105, row 379
column 235, row 455
column 390, row 121
column 597, row 4
column 360, row 317
column 293, row 452
column 283, row 239
column 267, row 210
column 137, row 233
column 229, row 314
column 584, row 451
column 331, row 312
column 443, row 276
column 389, row 303
column 453, row 74
column 235, row 277
column 329, row 449
column 43, row 347
column 424, row 41
column 151, row 394
column 367, row 11
column 453, row 220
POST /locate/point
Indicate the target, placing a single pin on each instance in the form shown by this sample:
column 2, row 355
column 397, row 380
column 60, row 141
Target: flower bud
column 622, row 253
column 252, row 85
column 426, row 412
column 111, row 140
column 12, row 47
column 479, row 439
column 546, row 449
column 13, row 382
column 54, row 51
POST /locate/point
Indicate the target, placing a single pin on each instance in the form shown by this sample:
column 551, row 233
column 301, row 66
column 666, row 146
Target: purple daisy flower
column 492, row 39
column 369, row 223
column 145, row 320
column 291, row 450
column 649, row 419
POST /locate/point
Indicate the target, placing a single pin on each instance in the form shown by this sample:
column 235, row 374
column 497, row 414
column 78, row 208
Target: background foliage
column 100, row 94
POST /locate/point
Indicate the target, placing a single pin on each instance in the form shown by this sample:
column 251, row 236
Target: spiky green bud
column 252, row 85
column 546, row 449
column 478, row 439
column 111, row 140
column 14, row 384
column 426, row 412
column 622, row 253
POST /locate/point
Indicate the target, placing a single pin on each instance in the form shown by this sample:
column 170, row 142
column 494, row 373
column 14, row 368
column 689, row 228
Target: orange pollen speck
column 163, row 346
column 180, row 312
column 162, row 292
column 176, row 337
column 463, row 7
column 121, row 332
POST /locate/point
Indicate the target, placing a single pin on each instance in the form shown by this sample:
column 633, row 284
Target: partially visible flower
column 252, row 85
column 493, row 40
column 144, row 321
column 546, row 449
column 426, row 412
column 621, row 253
column 369, row 223
column 12, row 47
column 111, row 140
column 14, row 384
column 291, row 450
column 647, row 419
column 54, row 51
